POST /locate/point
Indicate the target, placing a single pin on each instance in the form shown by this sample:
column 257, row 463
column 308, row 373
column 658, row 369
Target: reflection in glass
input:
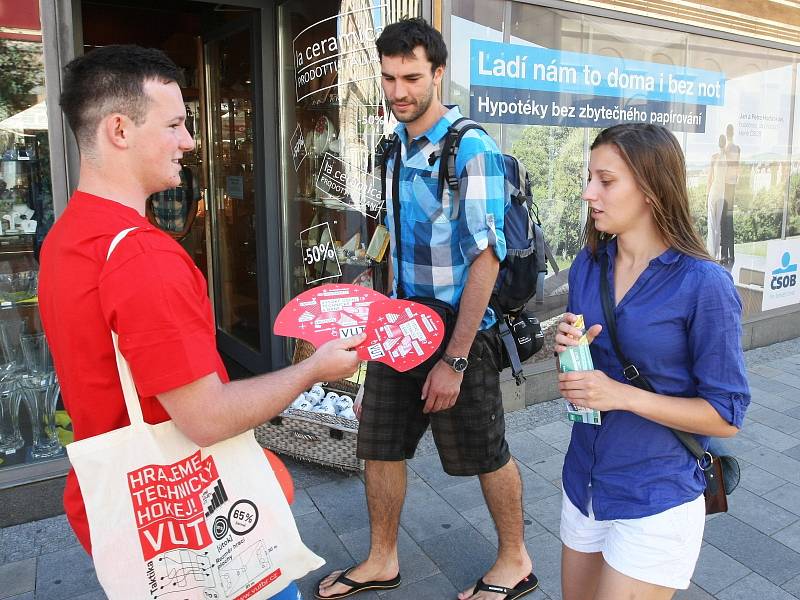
column 10, row 436
column 333, row 120
column 233, row 184
column 40, row 394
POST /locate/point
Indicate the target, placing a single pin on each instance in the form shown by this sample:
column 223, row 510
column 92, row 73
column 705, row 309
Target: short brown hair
column 111, row 80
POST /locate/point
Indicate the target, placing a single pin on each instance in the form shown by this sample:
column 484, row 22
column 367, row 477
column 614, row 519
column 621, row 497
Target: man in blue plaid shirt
column 449, row 250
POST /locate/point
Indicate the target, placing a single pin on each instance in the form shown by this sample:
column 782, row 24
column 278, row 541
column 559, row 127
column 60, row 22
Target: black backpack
column 522, row 272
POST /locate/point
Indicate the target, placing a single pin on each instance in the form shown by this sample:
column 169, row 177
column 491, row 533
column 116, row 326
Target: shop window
column 739, row 91
column 333, row 119
column 33, row 425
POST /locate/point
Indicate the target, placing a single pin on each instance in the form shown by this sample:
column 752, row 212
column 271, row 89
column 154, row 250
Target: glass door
column 235, row 194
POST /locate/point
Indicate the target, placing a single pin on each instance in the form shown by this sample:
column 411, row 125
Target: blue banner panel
column 531, row 107
column 513, row 66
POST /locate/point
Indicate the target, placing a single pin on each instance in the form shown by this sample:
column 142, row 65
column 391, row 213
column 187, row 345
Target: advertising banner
column 781, row 285
column 511, row 83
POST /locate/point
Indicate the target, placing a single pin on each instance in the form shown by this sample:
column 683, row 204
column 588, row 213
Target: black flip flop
column 357, row 586
column 525, row 586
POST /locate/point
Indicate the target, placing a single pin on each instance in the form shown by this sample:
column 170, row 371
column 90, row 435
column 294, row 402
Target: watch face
column 460, row 365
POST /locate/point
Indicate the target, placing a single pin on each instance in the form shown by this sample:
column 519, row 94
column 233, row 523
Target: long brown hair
column 656, row 160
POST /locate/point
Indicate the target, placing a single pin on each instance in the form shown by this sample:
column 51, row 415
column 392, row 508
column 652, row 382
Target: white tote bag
column 170, row 520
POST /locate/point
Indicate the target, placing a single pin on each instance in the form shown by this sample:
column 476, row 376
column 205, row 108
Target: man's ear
column 116, row 129
column 438, row 73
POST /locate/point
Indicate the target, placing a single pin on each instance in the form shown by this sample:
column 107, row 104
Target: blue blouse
column 680, row 324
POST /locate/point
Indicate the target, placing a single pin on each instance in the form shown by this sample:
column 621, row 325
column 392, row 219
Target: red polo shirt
column 149, row 292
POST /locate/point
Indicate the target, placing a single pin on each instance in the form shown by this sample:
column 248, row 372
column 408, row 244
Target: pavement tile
column 759, row 512
column 317, row 534
column 95, row 595
column 480, row 518
column 790, row 536
column 785, row 365
column 465, row 495
column 429, row 468
column 528, row 449
column 768, row 384
column 435, row 587
column 768, row 436
column 793, row 452
column 775, row 419
column 426, row 514
column 693, row 593
column 303, row 504
column 342, row 503
column 54, row 534
column 773, row 462
column 793, row 586
column 716, row 570
column 561, row 446
column 773, row 400
column 553, row 432
column 754, row 586
column 535, row 487
column 739, row 444
column 547, row 512
column 65, row 574
column 415, row 565
column 757, row 480
column 25, row 596
column 788, row 379
column 545, row 550
column 17, row 577
column 755, row 550
column 786, row 496
column 18, row 542
column 462, row 554
column 765, row 370
column 306, row 474
column 549, row 467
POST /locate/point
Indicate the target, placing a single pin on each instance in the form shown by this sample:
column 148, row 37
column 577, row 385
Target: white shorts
column 661, row 549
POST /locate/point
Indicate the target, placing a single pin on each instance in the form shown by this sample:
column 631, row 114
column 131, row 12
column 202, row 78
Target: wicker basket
column 316, row 437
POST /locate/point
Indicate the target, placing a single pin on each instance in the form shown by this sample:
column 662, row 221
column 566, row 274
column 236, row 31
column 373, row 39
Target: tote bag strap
column 125, row 377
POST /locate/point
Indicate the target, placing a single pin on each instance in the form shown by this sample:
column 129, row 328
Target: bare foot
column 506, row 574
column 366, row 571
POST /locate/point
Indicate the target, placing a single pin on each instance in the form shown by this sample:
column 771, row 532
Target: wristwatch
column 459, row 364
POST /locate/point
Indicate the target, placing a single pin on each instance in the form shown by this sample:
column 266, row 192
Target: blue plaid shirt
column 438, row 248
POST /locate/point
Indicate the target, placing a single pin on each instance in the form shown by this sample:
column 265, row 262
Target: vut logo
column 784, row 276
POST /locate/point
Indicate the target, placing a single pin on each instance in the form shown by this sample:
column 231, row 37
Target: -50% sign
column 319, row 252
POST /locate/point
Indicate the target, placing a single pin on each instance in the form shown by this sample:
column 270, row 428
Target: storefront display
column 33, row 425
column 333, row 118
column 550, row 79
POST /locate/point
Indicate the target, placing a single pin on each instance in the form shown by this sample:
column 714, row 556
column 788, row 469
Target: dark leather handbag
column 721, row 472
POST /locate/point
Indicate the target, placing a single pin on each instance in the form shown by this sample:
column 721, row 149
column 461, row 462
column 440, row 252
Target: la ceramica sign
column 781, row 274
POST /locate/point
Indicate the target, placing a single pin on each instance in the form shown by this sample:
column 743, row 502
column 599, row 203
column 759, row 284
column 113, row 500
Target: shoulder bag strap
column 125, row 377
column 630, row 371
column 398, row 154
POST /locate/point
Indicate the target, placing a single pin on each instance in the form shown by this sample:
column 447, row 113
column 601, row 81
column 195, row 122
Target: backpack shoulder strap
column 447, row 162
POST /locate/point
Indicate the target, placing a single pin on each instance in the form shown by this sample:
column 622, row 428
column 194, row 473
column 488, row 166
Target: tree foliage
column 20, row 65
column 554, row 157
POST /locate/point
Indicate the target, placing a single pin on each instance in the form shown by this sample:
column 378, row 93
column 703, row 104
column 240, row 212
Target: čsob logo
column 784, row 276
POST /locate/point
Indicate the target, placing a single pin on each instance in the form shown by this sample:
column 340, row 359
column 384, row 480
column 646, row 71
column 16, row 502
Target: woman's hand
column 568, row 335
column 593, row 389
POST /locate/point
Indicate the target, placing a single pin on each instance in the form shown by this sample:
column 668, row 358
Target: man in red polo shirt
column 127, row 113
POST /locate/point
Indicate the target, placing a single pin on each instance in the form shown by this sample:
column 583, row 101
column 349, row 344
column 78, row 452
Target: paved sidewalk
column 447, row 539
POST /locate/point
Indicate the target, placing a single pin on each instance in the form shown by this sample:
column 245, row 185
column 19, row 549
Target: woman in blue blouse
column 633, row 510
